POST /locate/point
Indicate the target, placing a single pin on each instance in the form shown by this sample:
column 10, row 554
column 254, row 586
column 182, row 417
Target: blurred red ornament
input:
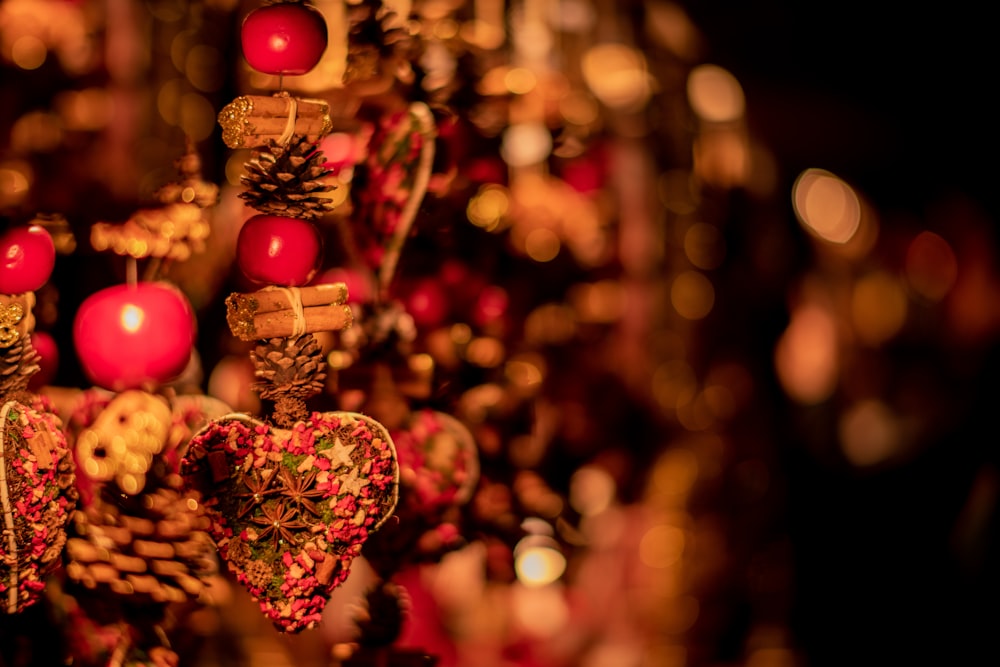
column 360, row 288
column 427, row 303
column 48, row 352
column 491, row 305
column 27, row 256
column 284, row 38
column 131, row 336
column 276, row 250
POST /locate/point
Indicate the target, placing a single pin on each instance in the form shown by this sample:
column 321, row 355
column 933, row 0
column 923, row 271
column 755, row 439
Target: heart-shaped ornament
column 291, row 508
column 37, row 497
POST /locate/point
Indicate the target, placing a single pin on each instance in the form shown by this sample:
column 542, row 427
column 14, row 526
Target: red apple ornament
column 131, row 336
column 27, row 256
column 275, row 250
column 283, row 38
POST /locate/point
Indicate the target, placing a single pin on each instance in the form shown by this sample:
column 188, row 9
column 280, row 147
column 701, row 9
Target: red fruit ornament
column 275, row 250
column 27, row 256
column 283, row 38
column 132, row 336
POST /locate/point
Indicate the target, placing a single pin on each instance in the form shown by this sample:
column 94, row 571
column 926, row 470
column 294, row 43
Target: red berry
column 284, row 38
column 275, row 250
column 27, row 256
column 130, row 336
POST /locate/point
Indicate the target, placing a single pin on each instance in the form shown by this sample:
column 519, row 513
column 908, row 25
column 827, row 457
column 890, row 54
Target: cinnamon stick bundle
column 278, row 312
column 254, row 120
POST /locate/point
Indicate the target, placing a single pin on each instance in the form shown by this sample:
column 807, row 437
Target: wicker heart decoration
column 291, row 508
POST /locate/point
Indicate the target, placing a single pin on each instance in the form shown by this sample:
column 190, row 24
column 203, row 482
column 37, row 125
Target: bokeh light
column 806, row 357
column 715, row 95
column 826, row 206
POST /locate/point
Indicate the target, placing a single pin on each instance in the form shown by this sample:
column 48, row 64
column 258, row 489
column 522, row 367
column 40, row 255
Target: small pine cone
column 18, row 363
column 375, row 31
column 287, row 181
column 289, row 367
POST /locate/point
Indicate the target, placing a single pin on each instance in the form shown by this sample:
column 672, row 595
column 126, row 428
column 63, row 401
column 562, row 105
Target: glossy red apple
column 134, row 336
column 283, row 38
column 274, row 250
column 27, row 256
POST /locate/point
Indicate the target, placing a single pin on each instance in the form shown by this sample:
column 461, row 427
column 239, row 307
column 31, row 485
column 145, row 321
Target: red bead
column 284, row 38
column 274, row 250
column 130, row 336
column 27, row 256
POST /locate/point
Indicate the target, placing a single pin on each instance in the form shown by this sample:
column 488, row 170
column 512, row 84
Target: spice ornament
column 37, row 497
column 290, row 508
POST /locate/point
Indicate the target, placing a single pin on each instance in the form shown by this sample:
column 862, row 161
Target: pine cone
column 374, row 33
column 18, row 363
column 287, row 180
column 153, row 546
column 289, row 367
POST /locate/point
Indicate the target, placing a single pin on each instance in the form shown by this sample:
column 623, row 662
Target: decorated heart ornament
column 37, row 496
column 291, row 508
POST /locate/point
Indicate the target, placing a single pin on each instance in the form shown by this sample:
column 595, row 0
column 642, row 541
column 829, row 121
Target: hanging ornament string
column 293, row 107
column 294, row 296
column 425, row 126
column 8, row 517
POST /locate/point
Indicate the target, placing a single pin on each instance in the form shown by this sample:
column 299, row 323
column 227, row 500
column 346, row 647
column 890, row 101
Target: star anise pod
column 300, row 491
column 258, row 485
column 279, row 522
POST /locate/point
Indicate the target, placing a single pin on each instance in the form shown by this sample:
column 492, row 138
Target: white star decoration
column 351, row 483
column 339, row 454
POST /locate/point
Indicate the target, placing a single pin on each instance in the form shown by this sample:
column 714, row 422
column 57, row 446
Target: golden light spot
column 28, row 52
column 591, row 490
column 485, row 352
column 488, row 207
column 168, row 100
column 550, row 324
column 878, row 307
column 235, row 165
column 15, row 182
column 661, row 546
column 692, row 295
column 806, row 357
column 704, row 245
column 541, row 244
column 869, row 433
column 931, row 266
column 525, row 144
column 460, row 333
column 204, row 68
column 672, row 380
column 675, row 473
column 525, row 372
column 197, row 116
column 579, row 108
column 538, row 563
column 677, row 192
column 715, row 95
column 600, row 302
column 617, row 75
column 826, row 206
column 520, row 80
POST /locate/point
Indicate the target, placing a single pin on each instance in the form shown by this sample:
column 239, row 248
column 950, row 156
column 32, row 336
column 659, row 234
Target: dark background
column 897, row 99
